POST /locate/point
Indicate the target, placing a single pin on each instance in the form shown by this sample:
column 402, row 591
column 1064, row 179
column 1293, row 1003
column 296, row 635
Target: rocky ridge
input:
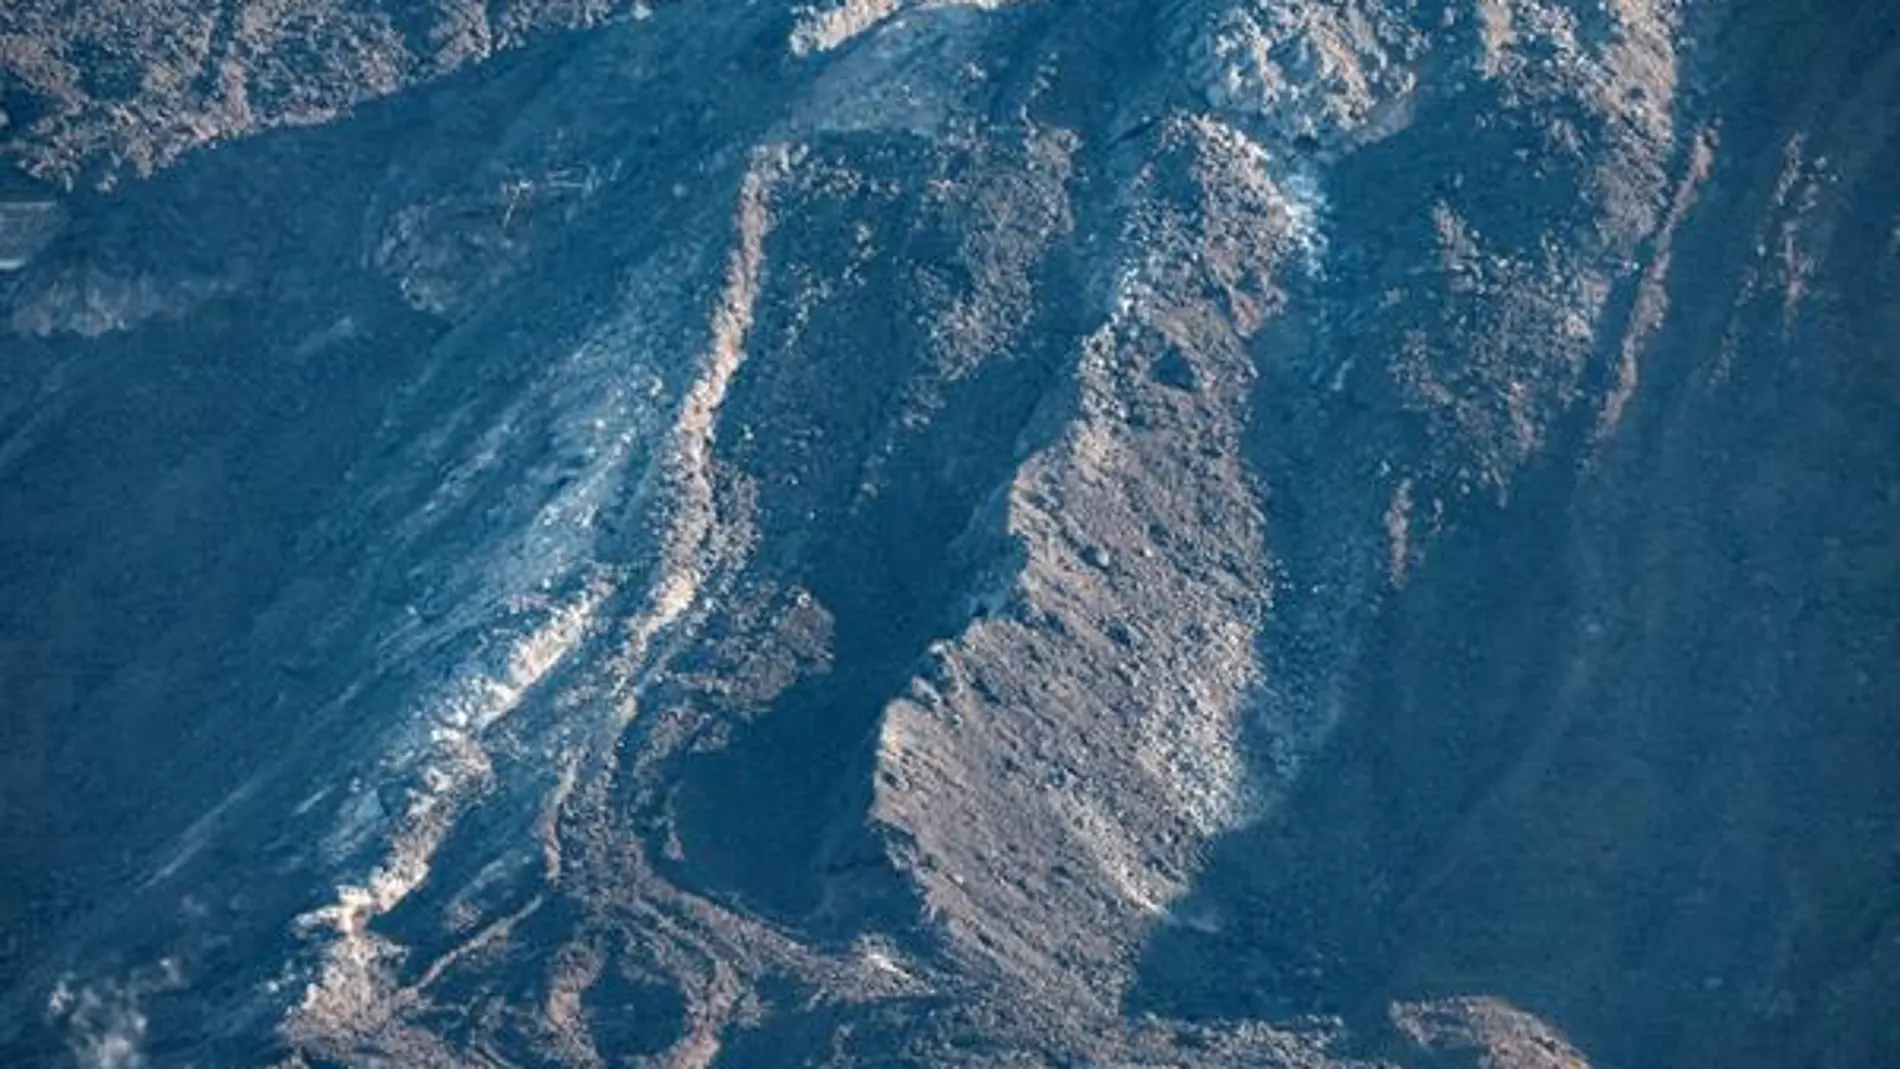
column 1208, row 533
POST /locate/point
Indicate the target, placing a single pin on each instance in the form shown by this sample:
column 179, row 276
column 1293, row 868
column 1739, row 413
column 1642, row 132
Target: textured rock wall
column 1220, row 534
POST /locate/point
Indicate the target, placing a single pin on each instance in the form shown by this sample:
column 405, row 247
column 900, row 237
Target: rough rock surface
column 1217, row 533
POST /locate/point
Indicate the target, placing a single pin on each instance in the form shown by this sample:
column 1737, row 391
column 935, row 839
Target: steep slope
column 1212, row 533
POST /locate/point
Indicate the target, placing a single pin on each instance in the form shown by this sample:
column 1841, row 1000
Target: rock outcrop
column 1216, row 533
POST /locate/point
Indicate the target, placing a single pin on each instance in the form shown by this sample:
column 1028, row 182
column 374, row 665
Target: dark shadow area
column 756, row 818
column 773, row 815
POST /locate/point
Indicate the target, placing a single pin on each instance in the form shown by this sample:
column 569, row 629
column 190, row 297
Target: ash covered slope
column 1216, row 534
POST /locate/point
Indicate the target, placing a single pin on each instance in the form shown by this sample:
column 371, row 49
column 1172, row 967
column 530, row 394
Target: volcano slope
column 1213, row 533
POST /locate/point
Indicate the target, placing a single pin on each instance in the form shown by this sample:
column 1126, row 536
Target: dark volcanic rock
column 1216, row 533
